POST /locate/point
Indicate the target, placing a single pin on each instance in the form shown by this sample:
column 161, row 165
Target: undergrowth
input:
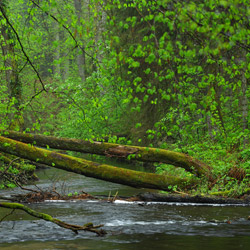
column 231, row 169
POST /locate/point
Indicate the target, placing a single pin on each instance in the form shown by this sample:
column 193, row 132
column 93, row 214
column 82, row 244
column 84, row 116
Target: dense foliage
column 170, row 74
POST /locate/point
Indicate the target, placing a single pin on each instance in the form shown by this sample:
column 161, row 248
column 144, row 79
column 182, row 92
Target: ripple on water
column 127, row 222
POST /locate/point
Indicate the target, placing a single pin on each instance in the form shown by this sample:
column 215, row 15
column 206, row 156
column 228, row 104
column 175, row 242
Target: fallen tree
column 115, row 150
column 92, row 169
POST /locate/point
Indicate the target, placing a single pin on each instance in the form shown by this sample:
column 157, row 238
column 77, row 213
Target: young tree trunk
column 81, row 60
column 244, row 108
column 7, row 39
column 92, row 169
column 57, row 52
column 115, row 150
column 100, row 22
column 66, row 64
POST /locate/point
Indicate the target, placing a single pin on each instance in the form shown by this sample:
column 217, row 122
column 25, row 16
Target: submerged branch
column 75, row 228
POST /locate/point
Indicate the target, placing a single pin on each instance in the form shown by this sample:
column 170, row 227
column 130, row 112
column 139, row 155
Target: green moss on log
column 110, row 149
column 48, row 217
column 92, row 169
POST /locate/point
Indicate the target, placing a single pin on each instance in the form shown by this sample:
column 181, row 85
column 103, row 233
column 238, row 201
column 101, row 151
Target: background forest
column 168, row 74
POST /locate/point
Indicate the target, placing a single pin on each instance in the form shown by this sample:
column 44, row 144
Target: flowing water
column 130, row 225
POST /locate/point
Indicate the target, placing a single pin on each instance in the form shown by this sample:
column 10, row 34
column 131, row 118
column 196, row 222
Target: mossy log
column 92, row 169
column 115, row 150
column 186, row 198
column 75, row 228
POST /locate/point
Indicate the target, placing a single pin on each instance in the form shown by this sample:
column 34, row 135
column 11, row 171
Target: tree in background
column 11, row 69
column 156, row 72
column 186, row 66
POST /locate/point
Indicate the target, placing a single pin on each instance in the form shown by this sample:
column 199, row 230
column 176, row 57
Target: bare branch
column 22, row 48
column 67, row 29
column 7, row 215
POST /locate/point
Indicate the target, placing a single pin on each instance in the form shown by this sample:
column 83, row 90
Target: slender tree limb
column 7, row 199
column 66, row 28
column 22, row 48
column 75, row 228
column 61, row 93
column 32, row 97
column 7, row 215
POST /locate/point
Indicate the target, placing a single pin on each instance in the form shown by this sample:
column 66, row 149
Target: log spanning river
column 130, row 225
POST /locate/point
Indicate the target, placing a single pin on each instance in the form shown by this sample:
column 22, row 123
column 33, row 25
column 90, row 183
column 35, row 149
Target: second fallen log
column 92, row 169
column 145, row 154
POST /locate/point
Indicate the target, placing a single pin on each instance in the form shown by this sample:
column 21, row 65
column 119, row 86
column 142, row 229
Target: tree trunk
column 99, row 27
column 7, row 39
column 57, row 52
column 65, row 74
column 92, row 169
column 115, row 150
column 244, row 108
column 81, row 60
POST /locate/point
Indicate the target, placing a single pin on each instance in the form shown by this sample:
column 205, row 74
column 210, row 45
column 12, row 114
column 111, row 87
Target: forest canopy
column 167, row 74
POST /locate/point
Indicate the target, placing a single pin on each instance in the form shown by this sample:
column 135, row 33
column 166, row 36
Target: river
column 130, row 225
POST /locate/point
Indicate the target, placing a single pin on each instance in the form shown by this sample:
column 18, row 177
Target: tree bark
column 115, row 150
column 92, row 169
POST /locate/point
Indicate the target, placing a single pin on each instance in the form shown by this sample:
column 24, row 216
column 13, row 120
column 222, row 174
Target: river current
column 130, row 225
